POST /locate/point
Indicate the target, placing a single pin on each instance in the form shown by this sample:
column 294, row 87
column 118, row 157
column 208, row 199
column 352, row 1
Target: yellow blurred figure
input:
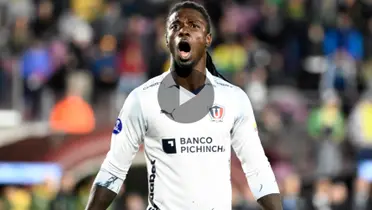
column 328, row 119
column 230, row 57
column 88, row 10
column 366, row 109
column 18, row 199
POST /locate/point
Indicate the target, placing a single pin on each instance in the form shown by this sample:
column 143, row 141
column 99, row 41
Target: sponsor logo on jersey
column 152, row 178
column 191, row 145
column 169, row 146
column 199, row 145
column 217, row 113
column 118, row 127
column 151, row 85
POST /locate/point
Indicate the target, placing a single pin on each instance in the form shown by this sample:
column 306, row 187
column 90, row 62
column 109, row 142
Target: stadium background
column 66, row 67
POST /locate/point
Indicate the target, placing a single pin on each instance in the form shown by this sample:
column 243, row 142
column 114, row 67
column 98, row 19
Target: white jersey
column 188, row 165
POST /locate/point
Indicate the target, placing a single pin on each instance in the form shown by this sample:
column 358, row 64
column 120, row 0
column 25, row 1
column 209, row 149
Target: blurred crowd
column 305, row 64
column 66, row 195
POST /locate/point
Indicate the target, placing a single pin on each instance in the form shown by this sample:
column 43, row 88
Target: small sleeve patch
column 118, row 127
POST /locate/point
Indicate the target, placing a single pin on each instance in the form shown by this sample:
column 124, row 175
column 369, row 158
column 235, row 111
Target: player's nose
column 184, row 32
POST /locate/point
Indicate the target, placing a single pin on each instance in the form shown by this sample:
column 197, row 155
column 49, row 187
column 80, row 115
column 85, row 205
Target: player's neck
column 193, row 80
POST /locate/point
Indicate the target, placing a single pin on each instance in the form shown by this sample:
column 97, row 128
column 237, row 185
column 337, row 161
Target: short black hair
column 200, row 8
column 192, row 5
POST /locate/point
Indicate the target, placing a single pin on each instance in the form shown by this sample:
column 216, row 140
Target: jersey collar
column 169, row 81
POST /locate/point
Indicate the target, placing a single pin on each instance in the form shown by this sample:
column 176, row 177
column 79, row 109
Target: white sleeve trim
column 109, row 181
column 263, row 182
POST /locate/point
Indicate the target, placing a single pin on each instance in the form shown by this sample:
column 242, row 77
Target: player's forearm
column 271, row 202
column 100, row 198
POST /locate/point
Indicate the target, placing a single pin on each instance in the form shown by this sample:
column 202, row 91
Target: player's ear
column 208, row 40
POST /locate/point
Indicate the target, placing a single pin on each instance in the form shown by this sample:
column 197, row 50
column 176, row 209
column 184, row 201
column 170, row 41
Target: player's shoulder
column 221, row 83
column 227, row 86
column 234, row 93
column 146, row 92
column 150, row 85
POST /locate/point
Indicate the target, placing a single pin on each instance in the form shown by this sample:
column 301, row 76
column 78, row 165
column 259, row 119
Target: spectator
column 320, row 199
column 87, row 10
column 315, row 38
column 345, row 36
column 291, row 193
column 339, row 197
column 360, row 123
column 229, row 56
column 272, row 122
column 65, row 199
column 80, row 47
column 44, row 26
column 159, row 59
column 366, row 70
column 111, row 22
column 327, row 119
column 340, row 73
column 73, row 114
column 297, row 9
column 36, row 68
column 104, row 63
column 19, row 9
column 271, row 29
column 134, row 201
column 132, row 66
column 58, row 52
column 359, row 126
column 326, row 125
column 362, row 185
column 368, row 40
column 21, row 36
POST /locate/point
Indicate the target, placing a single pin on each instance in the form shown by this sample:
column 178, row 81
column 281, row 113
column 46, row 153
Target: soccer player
column 193, row 172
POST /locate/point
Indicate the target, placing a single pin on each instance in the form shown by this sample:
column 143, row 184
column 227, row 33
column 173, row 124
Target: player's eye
column 195, row 25
column 174, row 26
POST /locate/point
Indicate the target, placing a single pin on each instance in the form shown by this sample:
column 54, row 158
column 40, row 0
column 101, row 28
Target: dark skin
column 190, row 26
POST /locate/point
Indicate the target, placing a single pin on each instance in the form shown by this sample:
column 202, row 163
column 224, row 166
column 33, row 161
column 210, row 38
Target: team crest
column 217, row 113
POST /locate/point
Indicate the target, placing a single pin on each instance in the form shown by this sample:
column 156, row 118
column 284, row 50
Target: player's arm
column 248, row 148
column 126, row 138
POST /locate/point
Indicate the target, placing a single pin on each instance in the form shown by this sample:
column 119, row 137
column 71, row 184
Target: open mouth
column 184, row 49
